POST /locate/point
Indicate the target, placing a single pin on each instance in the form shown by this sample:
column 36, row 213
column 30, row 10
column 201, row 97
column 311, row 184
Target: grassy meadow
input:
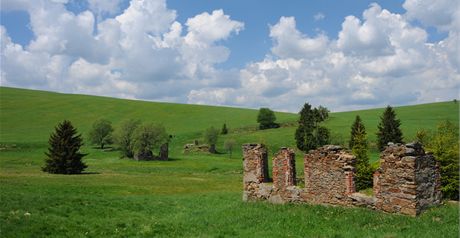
column 191, row 195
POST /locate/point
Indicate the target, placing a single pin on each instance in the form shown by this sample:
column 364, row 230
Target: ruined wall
column 255, row 166
column 164, row 152
column 284, row 177
column 329, row 175
column 284, row 169
column 408, row 180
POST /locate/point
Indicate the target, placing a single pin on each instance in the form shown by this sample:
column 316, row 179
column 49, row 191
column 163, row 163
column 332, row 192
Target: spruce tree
column 304, row 136
column 310, row 135
column 358, row 143
column 357, row 125
column 388, row 129
column 224, row 129
column 63, row 154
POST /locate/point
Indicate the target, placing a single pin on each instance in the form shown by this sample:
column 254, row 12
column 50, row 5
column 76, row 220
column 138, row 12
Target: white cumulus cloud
column 379, row 59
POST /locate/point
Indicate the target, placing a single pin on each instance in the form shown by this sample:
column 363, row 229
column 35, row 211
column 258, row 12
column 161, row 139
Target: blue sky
column 236, row 53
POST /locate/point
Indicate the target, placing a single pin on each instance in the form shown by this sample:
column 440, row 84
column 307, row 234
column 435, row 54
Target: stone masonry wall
column 255, row 166
column 284, row 169
column 408, row 180
column 329, row 173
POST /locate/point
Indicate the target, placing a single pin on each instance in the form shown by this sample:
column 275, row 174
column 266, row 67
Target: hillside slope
column 30, row 116
column 191, row 195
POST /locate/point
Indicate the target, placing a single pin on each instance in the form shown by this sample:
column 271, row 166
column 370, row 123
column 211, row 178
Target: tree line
column 133, row 138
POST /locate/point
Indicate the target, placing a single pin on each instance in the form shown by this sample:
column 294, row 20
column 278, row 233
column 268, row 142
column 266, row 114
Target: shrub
column 63, row 154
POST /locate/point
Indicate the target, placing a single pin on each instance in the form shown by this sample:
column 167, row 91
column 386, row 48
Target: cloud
column 380, row 59
column 289, row 42
column 319, row 16
column 104, row 7
column 206, row 28
column 442, row 14
column 142, row 52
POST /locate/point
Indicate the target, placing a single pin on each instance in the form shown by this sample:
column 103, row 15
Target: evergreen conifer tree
column 224, row 129
column 358, row 142
column 63, row 154
column 357, row 125
column 309, row 135
column 388, row 129
column 304, row 136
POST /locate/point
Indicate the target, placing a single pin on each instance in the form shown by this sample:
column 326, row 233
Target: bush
column 124, row 137
column 101, row 133
column 63, row 154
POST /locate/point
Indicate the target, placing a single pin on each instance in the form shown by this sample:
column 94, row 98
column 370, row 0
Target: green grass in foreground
column 190, row 196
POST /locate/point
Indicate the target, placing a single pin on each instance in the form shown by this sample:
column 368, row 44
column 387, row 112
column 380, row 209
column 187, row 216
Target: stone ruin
column 196, row 147
column 148, row 155
column 407, row 181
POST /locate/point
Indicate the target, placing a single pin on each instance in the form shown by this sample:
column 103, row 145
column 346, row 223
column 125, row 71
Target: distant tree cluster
column 310, row 134
column 133, row 138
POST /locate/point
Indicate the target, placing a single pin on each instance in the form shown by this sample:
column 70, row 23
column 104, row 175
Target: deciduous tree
column 101, row 133
column 211, row 135
column 266, row 119
column 124, row 137
column 148, row 137
column 445, row 147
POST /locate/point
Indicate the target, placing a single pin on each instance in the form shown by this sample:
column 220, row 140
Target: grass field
column 196, row 195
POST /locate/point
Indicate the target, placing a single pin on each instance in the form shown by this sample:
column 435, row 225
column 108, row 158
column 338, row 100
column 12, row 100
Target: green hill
column 197, row 195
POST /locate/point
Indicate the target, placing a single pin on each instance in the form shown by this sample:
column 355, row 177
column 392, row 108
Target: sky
column 344, row 55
